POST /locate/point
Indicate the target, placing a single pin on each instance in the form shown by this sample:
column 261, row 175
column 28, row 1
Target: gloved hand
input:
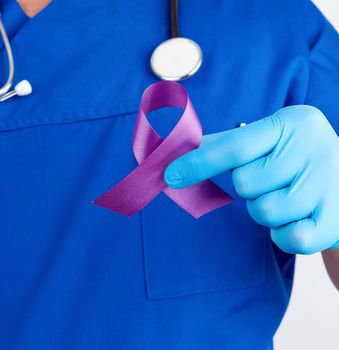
column 286, row 166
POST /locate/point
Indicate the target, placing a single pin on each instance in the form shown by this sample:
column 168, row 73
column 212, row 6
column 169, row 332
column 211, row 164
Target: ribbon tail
column 133, row 192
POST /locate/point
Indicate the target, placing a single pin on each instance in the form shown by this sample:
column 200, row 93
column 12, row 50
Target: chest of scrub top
column 71, row 139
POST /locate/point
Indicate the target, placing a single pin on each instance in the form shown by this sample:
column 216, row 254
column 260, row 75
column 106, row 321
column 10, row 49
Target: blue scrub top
column 76, row 276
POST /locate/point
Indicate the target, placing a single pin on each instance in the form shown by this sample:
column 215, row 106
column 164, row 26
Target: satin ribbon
column 154, row 154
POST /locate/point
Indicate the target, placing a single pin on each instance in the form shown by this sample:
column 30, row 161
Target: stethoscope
column 175, row 59
column 23, row 88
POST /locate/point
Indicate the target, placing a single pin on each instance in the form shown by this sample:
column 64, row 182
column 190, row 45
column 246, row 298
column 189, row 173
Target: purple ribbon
column 154, row 154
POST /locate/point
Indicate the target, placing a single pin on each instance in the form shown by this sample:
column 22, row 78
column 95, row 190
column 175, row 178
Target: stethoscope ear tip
column 23, row 88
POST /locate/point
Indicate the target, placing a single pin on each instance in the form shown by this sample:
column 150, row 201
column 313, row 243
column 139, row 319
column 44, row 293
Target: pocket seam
column 21, row 124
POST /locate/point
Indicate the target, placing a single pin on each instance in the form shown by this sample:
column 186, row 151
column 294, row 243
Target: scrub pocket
column 222, row 250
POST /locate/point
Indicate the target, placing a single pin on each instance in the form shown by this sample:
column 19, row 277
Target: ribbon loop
column 154, row 154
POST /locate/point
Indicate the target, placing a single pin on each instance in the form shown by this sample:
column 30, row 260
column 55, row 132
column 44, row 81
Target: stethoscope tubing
column 174, row 21
column 5, row 88
column 23, row 87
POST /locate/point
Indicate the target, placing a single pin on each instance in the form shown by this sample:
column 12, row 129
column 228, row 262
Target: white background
column 312, row 319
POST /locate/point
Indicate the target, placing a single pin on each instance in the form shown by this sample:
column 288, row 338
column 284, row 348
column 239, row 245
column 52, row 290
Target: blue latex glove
column 286, row 166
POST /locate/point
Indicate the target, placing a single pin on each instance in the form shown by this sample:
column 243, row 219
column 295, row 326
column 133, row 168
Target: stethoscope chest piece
column 176, row 59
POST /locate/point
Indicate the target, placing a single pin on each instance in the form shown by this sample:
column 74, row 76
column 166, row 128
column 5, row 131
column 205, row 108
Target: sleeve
column 323, row 57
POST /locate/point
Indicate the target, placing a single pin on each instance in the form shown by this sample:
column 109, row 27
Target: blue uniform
column 76, row 276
